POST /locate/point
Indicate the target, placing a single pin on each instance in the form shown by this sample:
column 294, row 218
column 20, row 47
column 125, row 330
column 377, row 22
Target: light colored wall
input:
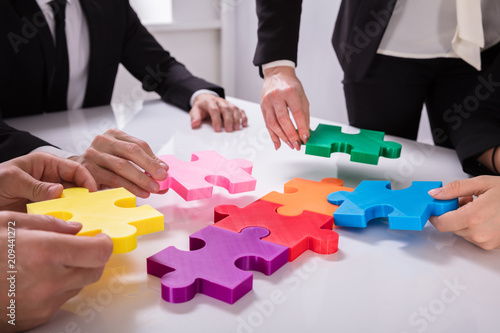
column 193, row 38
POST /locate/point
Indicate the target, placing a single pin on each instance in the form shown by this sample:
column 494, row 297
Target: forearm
column 14, row 143
column 158, row 71
column 478, row 132
column 278, row 32
column 491, row 159
column 179, row 89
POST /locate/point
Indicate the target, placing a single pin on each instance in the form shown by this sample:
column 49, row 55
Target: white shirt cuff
column 201, row 91
column 277, row 63
column 53, row 151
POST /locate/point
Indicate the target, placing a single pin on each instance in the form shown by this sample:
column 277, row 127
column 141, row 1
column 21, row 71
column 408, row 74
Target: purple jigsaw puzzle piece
column 406, row 209
column 216, row 265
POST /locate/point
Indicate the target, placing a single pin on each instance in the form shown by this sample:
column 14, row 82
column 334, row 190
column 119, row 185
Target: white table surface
column 380, row 280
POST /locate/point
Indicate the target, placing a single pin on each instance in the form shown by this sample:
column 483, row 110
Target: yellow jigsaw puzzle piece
column 112, row 212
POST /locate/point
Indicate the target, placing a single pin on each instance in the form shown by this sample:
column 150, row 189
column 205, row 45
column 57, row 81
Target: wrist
column 495, row 157
column 279, row 70
column 204, row 93
column 491, row 159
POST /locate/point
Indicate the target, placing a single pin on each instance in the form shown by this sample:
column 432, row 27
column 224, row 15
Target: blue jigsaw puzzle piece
column 406, row 209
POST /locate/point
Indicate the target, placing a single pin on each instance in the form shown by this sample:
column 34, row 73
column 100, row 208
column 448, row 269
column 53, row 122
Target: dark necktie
column 58, row 92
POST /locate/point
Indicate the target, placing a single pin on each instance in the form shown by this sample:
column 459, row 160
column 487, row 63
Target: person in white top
column 398, row 55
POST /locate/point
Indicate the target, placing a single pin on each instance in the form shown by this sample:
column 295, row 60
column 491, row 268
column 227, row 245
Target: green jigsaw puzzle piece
column 365, row 147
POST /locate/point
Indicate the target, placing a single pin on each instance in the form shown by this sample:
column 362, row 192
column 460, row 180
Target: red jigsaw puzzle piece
column 307, row 231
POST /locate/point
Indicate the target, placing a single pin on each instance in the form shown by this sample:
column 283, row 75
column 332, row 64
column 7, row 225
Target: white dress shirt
column 423, row 29
column 77, row 36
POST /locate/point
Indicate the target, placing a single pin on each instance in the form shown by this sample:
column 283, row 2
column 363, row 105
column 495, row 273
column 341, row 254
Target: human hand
column 52, row 266
column 478, row 218
column 282, row 91
column 38, row 177
column 114, row 159
column 220, row 111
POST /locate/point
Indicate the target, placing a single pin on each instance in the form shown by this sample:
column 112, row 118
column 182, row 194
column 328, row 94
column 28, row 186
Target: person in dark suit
column 51, row 277
column 398, row 55
column 60, row 55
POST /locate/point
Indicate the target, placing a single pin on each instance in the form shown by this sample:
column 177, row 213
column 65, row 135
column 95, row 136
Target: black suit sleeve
column 278, row 32
column 158, row 71
column 14, row 143
column 480, row 129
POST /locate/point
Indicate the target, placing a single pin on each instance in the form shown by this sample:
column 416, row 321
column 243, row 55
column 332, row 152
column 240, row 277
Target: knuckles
column 113, row 132
column 100, row 140
column 132, row 148
column 282, row 117
column 453, row 187
column 120, row 165
column 213, row 109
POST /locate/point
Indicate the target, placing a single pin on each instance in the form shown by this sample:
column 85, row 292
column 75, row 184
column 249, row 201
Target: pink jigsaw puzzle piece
column 216, row 265
column 195, row 179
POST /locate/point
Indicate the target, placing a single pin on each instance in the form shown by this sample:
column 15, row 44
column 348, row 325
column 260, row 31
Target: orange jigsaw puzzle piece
column 302, row 194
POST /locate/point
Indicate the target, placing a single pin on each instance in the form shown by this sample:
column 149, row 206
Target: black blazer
column 116, row 36
column 359, row 29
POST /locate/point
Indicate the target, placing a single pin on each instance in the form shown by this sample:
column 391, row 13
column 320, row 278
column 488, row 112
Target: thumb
column 196, row 117
column 36, row 190
column 47, row 223
column 460, row 188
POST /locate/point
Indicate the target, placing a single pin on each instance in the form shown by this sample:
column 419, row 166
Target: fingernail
column 289, row 144
column 296, row 145
column 154, row 187
column 53, row 191
column 305, row 137
column 435, row 191
column 276, row 146
column 161, row 173
column 75, row 224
